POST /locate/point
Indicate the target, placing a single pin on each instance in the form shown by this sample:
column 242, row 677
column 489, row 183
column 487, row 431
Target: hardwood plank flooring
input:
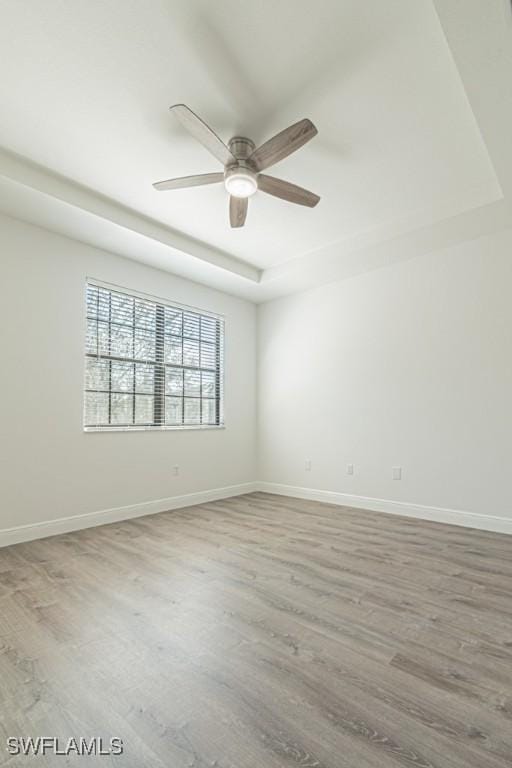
column 262, row 631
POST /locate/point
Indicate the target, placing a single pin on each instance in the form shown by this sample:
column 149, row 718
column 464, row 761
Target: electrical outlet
column 176, row 470
column 350, row 469
column 396, row 473
column 307, row 465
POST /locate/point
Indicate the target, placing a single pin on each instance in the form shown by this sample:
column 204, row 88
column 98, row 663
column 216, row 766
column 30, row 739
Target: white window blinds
column 149, row 364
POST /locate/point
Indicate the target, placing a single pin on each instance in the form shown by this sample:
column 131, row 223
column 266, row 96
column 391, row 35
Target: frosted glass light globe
column 241, row 184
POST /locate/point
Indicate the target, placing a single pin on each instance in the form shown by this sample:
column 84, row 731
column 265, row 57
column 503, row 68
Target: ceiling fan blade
column 286, row 191
column 189, row 181
column 283, row 144
column 237, row 211
column 203, row 133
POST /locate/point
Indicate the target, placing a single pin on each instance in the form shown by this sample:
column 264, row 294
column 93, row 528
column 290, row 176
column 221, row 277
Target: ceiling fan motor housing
column 241, row 177
column 240, row 147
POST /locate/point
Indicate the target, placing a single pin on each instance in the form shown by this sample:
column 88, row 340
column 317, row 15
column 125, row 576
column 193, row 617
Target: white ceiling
column 392, row 87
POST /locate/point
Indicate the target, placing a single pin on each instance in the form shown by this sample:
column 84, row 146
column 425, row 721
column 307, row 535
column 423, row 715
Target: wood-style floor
column 262, row 632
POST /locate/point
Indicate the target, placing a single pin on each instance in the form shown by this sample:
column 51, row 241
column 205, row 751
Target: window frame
column 159, row 364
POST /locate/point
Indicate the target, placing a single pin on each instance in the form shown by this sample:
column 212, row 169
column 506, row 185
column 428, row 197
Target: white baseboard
column 117, row 514
column 77, row 522
column 437, row 514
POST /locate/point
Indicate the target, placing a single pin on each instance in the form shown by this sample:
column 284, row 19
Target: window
column 149, row 364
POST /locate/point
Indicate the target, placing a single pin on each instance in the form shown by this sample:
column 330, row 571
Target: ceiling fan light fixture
column 241, row 183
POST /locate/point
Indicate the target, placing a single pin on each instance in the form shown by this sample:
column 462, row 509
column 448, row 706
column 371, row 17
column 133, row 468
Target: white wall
column 50, row 468
column 409, row 365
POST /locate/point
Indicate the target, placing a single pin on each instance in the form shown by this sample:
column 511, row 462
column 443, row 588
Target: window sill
column 186, row 428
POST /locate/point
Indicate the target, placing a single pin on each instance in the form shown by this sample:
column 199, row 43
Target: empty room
column 256, row 378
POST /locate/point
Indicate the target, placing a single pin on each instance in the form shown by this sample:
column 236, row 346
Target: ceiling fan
column 243, row 164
